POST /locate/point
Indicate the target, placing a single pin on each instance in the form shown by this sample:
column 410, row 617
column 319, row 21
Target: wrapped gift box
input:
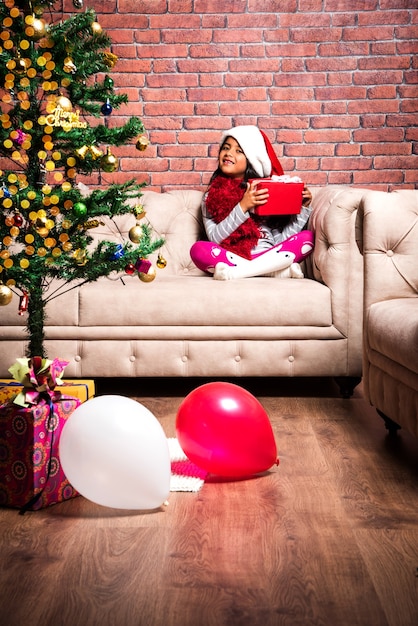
column 285, row 198
column 31, row 476
column 77, row 388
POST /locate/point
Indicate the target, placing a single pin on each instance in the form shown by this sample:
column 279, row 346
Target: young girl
column 242, row 244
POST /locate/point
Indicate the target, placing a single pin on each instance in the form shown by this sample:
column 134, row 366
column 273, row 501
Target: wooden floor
column 330, row 537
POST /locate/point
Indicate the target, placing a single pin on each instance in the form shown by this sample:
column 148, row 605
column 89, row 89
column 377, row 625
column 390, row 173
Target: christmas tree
column 57, row 96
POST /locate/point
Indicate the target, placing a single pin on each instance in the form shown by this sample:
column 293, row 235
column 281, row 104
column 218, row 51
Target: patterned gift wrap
column 77, row 388
column 29, row 463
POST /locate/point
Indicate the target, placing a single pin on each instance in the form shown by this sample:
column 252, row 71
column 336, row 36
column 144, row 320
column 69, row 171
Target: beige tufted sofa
column 388, row 238
column 185, row 324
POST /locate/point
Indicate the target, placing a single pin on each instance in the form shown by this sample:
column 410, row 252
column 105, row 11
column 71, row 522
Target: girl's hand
column 306, row 197
column 253, row 197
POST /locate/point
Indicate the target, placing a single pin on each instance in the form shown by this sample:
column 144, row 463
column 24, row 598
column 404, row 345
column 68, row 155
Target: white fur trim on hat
column 252, row 143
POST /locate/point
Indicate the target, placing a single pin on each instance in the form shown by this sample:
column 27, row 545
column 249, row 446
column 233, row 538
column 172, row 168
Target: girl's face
column 232, row 160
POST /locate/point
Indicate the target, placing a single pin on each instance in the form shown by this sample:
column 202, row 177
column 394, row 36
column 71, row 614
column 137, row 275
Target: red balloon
column 224, row 429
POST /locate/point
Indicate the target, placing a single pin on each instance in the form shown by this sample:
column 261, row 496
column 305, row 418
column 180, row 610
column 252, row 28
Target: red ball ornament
column 17, row 220
column 224, row 429
column 130, row 269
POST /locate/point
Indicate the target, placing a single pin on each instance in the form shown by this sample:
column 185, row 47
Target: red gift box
column 284, row 198
column 31, row 476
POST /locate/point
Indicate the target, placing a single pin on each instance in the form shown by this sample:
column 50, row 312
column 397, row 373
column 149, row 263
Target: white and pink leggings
column 214, row 259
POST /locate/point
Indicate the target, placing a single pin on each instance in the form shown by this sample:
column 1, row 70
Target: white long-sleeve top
column 269, row 236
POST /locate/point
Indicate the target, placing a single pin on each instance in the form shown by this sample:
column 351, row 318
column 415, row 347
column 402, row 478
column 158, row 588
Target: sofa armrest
column 387, row 236
column 336, row 260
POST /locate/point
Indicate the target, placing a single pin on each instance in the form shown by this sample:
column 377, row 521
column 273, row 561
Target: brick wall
column 334, row 87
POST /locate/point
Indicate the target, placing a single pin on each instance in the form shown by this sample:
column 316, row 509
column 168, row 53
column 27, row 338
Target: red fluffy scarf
column 225, row 193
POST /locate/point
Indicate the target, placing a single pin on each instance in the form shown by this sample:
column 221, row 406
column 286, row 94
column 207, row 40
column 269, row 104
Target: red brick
column 291, row 50
column 396, row 162
column 409, row 106
column 347, row 149
column 372, row 149
column 180, row 6
column 207, row 108
column 142, row 6
column 202, row 65
column 373, row 106
column 341, row 5
column 303, row 35
column 186, row 36
column 378, row 134
column 317, row 150
column 253, row 66
column 249, row 80
column 378, row 78
column 343, row 49
column 158, row 81
column 162, row 109
column 183, row 151
column 296, row 108
column 384, row 62
column 340, row 93
column 219, row 6
column 347, row 163
column 177, row 22
column 272, row 6
column 372, row 176
column 253, row 94
column 384, row 91
column 402, row 120
column 340, row 178
column 336, row 121
column 210, row 51
column 268, row 21
column 368, row 33
column 198, row 95
column 383, row 17
column 211, row 80
column 332, row 135
column 244, row 108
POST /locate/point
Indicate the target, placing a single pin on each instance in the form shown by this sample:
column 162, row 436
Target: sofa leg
column 390, row 425
column 347, row 384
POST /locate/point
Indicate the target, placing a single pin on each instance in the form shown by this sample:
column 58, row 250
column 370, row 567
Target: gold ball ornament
column 6, row 295
column 96, row 29
column 142, row 143
column 64, row 103
column 35, row 29
column 161, row 262
column 20, row 67
column 136, row 233
column 109, row 163
column 149, row 276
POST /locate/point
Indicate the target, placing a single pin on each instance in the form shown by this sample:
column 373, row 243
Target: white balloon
column 114, row 452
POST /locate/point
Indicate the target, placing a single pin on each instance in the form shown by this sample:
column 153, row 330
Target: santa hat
column 257, row 148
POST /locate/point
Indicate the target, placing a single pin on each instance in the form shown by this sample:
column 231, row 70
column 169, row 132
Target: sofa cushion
column 392, row 330
column 201, row 301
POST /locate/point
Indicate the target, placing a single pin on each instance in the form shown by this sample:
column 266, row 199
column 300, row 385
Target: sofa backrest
column 174, row 215
column 387, row 233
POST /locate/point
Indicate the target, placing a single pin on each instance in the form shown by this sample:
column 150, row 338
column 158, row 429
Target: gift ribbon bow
column 39, row 378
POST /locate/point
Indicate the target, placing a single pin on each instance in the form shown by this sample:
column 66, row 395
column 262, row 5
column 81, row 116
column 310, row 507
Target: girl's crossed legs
column 225, row 265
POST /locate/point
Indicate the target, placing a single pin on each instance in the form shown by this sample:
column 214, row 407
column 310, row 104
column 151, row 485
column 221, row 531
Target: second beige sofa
column 388, row 238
